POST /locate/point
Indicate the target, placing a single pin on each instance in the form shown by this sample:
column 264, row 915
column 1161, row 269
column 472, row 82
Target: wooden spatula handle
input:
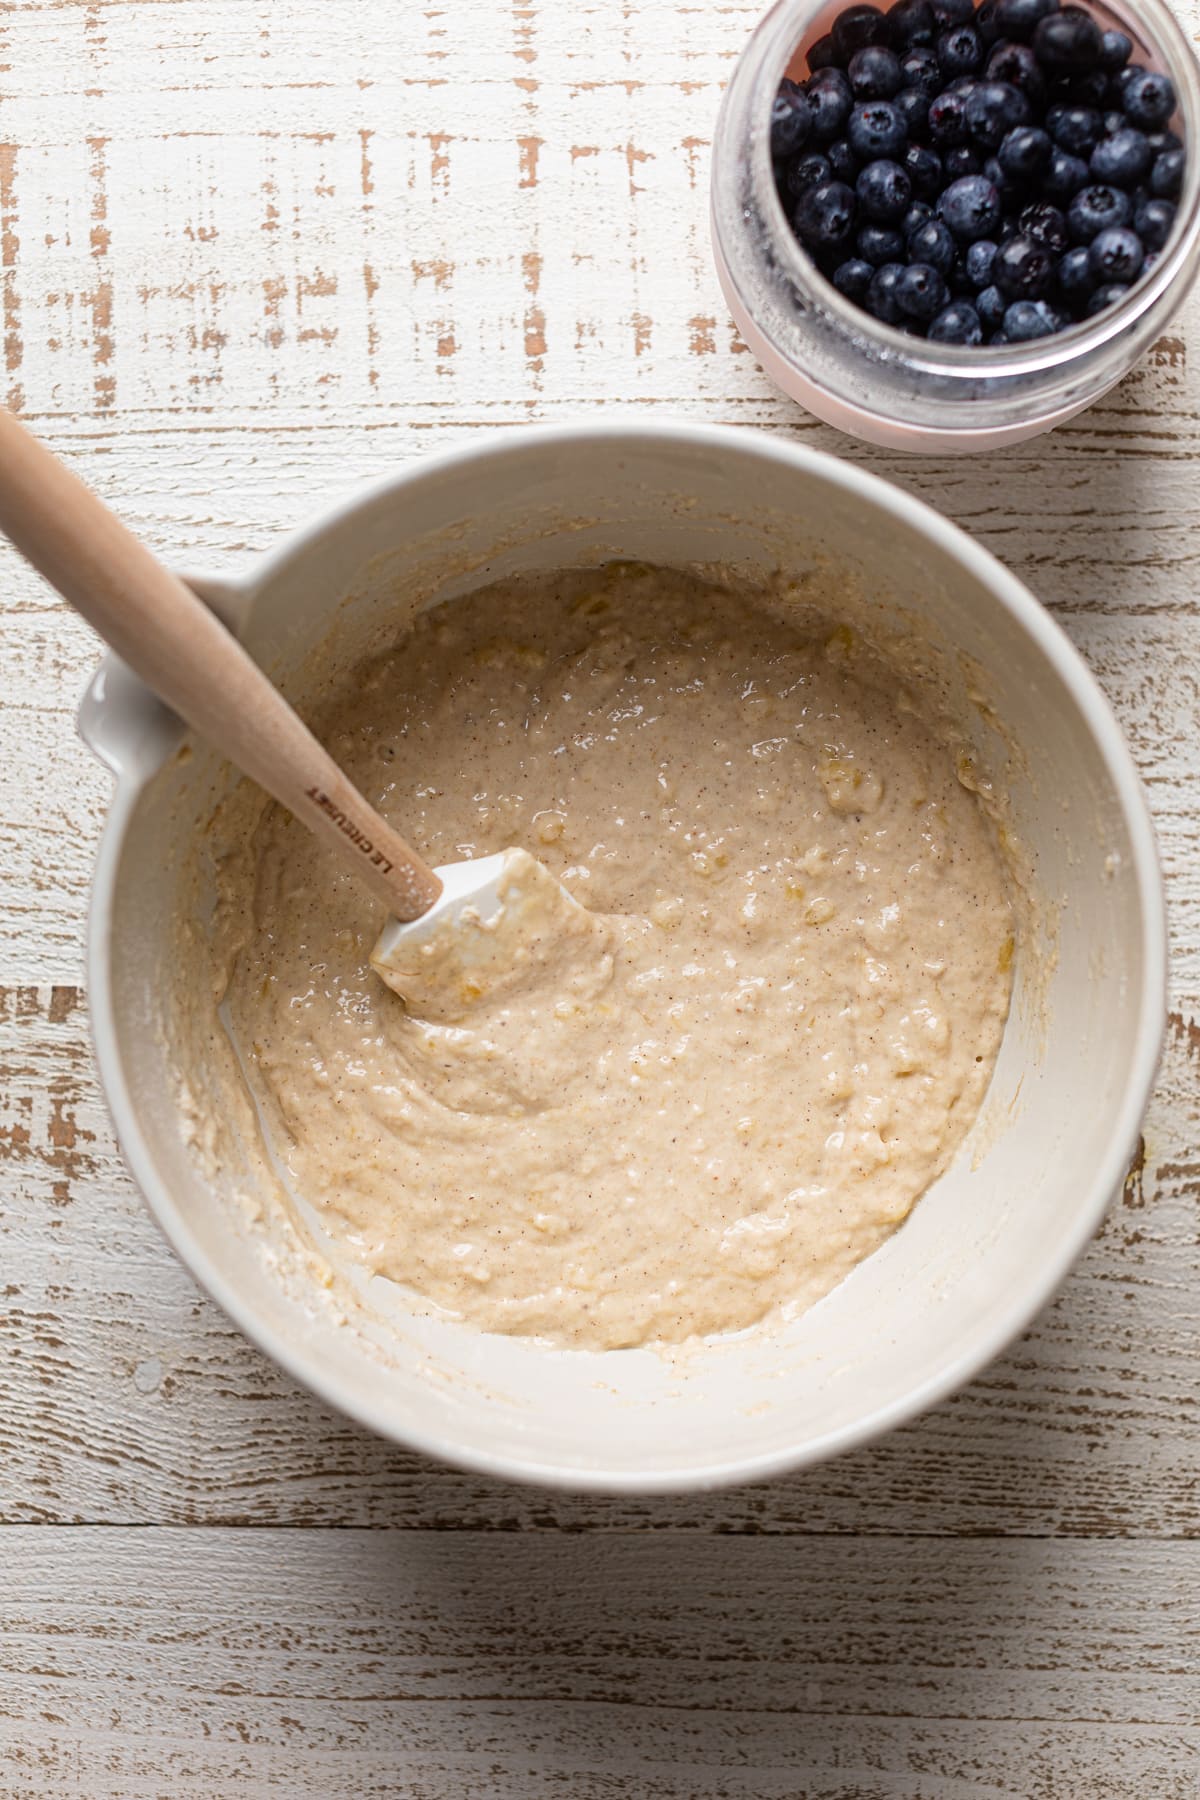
column 182, row 651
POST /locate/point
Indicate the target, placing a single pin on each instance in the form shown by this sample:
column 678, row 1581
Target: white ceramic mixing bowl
column 985, row 1248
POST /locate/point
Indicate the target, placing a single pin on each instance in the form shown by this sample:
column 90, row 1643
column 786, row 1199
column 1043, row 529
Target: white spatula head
column 501, row 923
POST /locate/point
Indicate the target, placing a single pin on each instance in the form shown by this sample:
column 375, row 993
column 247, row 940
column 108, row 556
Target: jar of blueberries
column 952, row 224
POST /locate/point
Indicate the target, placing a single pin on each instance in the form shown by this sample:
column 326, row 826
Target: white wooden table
column 255, row 252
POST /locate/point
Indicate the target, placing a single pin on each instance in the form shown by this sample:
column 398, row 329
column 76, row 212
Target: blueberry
column 994, row 108
column 825, row 215
column 918, row 214
column 880, row 244
column 1009, row 188
column 1064, row 176
column 933, row 245
column 980, row 260
column 875, row 73
column 843, row 162
column 971, row 208
column 1023, row 270
column 1115, row 51
column 913, row 106
column 948, row 120
column 912, row 22
column 925, row 171
column 959, row 52
column 1105, row 297
column 960, row 287
column 1075, row 279
column 1020, row 18
column 1097, row 209
column 1148, row 100
column 1023, row 153
column 1123, row 160
column 853, row 279
column 876, row 129
column 1163, row 140
column 836, row 79
column 987, row 24
column 1113, row 122
column 1075, row 129
column 921, row 292
column 962, row 160
column 998, row 337
column 808, row 172
column 829, row 103
column 958, row 323
column 884, row 192
column 1092, row 89
column 1016, row 65
column 1166, row 177
column 948, row 13
column 922, row 70
column 1116, row 256
column 790, row 121
column 881, row 300
column 1046, row 226
column 991, row 307
column 823, row 55
column 1067, row 43
column 856, row 28
column 1026, row 320
column 1154, row 220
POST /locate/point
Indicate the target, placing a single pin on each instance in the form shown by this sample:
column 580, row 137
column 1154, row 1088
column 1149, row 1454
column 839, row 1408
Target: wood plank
column 142, row 1662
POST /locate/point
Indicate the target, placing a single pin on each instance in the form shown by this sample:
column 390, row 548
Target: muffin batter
column 735, row 1083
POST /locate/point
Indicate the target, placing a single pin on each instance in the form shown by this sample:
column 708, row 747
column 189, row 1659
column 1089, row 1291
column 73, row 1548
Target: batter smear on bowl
column 779, row 1035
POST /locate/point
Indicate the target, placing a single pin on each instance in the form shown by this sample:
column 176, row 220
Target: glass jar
column 871, row 380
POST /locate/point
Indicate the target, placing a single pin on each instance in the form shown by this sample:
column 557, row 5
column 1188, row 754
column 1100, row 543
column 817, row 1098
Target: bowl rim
column 997, row 1326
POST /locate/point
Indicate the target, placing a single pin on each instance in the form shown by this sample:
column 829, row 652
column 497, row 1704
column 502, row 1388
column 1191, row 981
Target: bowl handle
column 124, row 725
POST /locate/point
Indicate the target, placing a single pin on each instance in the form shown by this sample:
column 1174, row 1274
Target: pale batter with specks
column 777, row 1040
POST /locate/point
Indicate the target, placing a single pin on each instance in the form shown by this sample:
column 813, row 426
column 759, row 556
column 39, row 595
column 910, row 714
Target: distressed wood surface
column 257, row 251
column 420, row 1664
